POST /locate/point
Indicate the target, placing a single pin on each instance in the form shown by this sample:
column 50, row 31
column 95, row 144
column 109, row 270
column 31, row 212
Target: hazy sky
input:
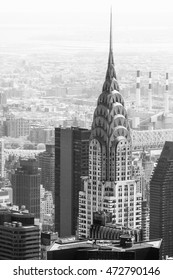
column 85, row 6
column 152, row 20
column 66, row 10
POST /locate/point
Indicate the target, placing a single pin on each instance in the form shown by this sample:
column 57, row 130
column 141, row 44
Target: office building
column 2, row 159
column 41, row 135
column 17, row 127
column 26, row 186
column 19, row 237
column 4, row 197
column 71, row 162
column 161, row 200
column 9, row 190
column 46, row 162
column 46, row 209
column 110, row 186
column 3, row 99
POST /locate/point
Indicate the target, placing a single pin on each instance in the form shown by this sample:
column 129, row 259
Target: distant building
column 3, row 99
column 2, row 127
column 41, row 135
column 17, row 127
column 161, row 200
column 2, row 159
column 9, row 190
column 71, row 162
column 46, row 161
column 46, row 209
column 55, row 90
column 4, row 197
column 19, row 237
column 26, row 186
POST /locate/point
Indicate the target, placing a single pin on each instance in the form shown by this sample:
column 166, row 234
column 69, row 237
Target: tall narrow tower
column 71, row 162
column 150, row 92
column 138, row 90
column 161, row 200
column 2, row 161
column 109, row 186
column 166, row 97
column 26, row 186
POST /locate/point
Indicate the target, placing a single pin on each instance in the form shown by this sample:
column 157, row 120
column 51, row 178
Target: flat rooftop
column 104, row 244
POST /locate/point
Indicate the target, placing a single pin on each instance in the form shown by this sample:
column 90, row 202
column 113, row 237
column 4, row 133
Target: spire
column 110, row 83
column 111, row 58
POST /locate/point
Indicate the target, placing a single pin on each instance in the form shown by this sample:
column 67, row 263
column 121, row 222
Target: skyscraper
column 109, row 186
column 71, row 162
column 161, row 200
column 46, row 161
column 2, row 160
column 26, row 186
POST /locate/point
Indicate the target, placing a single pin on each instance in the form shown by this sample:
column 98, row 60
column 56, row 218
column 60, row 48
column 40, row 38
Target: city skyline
column 52, row 70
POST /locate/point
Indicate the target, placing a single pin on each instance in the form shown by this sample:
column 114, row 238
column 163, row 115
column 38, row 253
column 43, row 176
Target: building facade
column 46, row 161
column 110, row 186
column 17, row 127
column 3, row 99
column 161, row 200
column 46, row 209
column 26, row 186
column 71, row 162
column 2, row 159
column 19, row 237
column 41, row 134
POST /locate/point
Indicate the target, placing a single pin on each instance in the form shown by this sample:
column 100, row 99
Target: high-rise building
column 3, row 98
column 17, row 127
column 26, row 186
column 46, row 161
column 41, row 135
column 46, row 208
column 161, row 200
column 4, row 197
column 2, row 160
column 71, row 162
column 109, row 186
column 19, row 237
column 9, row 190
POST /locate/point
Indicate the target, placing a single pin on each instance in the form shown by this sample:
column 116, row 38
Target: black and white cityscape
column 86, row 130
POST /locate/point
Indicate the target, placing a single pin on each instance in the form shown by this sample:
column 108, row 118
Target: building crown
column 110, row 122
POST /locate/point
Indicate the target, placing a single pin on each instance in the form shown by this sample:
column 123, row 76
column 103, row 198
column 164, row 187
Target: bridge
column 150, row 139
column 145, row 139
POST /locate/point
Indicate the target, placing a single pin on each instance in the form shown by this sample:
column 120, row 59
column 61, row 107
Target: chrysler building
column 109, row 185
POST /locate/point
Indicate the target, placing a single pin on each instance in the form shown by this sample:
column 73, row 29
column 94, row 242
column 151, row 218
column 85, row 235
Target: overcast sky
column 66, row 10
column 85, row 5
column 89, row 19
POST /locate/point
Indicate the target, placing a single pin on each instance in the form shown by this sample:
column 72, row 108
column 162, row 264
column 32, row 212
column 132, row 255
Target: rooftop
column 106, row 244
